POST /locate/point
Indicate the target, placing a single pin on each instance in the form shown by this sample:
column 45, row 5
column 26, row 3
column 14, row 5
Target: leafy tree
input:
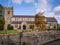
column 1, row 9
column 10, row 27
column 58, row 27
column 32, row 26
column 40, row 21
column 2, row 22
column 1, row 6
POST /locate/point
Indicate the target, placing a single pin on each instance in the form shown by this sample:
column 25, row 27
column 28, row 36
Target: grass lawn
column 8, row 32
column 16, row 31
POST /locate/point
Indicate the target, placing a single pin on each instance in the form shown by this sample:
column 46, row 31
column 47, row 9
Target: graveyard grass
column 8, row 32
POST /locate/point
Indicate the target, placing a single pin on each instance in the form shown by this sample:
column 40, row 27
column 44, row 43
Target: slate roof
column 30, row 22
column 19, row 22
column 51, row 19
column 23, row 16
column 16, row 22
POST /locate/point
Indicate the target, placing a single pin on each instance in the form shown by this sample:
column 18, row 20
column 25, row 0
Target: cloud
column 57, row 10
column 17, row 1
column 55, row 13
column 43, row 6
column 49, row 14
column 20, row 1
column 29, row 1
column 46, row 6
column 40, row 5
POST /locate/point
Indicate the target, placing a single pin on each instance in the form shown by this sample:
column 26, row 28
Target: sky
column 51, row 8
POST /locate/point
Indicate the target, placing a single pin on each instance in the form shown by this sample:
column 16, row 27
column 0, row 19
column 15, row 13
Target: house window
column 16, row 19
column 19, row 27
column 16, row 25
column 28, row 19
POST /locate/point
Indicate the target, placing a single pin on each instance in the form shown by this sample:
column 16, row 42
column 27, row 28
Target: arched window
column 8, row 12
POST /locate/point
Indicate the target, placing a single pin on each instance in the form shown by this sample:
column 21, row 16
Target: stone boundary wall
column 29, row 38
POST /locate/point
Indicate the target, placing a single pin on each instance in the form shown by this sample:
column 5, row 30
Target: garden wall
column 29, row 38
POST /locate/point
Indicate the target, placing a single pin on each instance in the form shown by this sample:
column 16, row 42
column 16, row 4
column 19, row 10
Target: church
column 24, row 21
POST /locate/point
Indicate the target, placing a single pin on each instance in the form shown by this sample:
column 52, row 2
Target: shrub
column 58, row 28
column 31, row 26
column 1, row 27
column 10, row 27
column 2, row 22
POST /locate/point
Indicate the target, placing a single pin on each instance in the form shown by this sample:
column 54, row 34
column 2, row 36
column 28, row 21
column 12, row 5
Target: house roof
column 16, row 22
column 51, row 19
column 23, row 16
column 19, row 22
column 30, row 22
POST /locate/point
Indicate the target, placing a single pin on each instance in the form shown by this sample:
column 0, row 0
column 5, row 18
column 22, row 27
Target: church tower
column 8, row 14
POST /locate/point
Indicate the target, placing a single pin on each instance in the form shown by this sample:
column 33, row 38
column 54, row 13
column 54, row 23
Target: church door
column 24, row 27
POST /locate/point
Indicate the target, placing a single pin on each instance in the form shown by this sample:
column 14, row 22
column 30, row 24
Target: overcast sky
column 51, row 8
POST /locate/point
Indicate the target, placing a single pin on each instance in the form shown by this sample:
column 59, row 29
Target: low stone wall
column 29, row 38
